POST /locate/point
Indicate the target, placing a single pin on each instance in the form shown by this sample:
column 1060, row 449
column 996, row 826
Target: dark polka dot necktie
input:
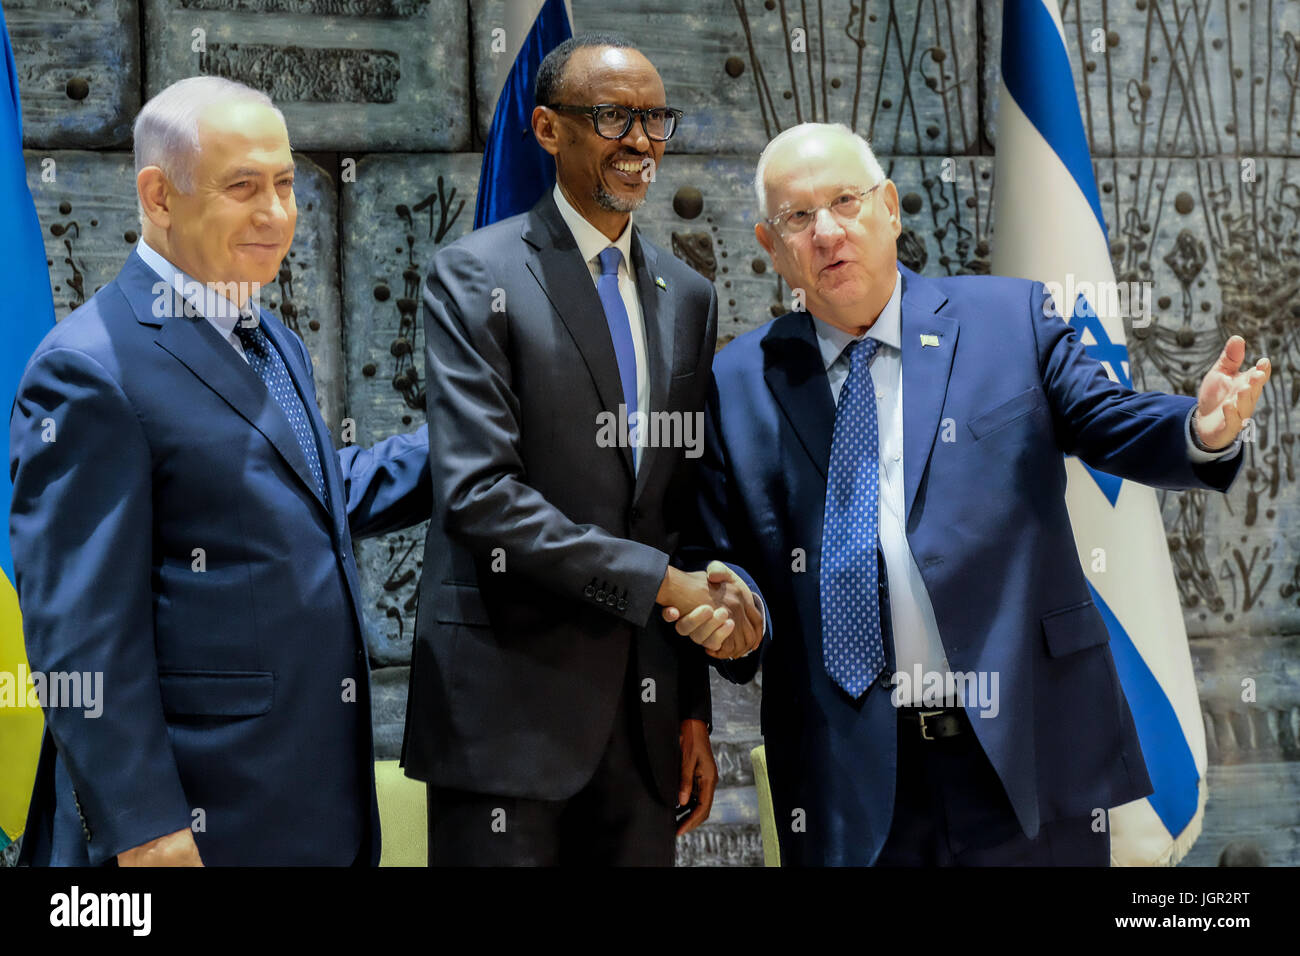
column 852, row 648
column 265, row 359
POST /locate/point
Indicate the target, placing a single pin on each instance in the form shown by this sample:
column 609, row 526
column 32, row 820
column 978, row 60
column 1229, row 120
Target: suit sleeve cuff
column 758, row 599
column 1200, row 456
column 762, row 609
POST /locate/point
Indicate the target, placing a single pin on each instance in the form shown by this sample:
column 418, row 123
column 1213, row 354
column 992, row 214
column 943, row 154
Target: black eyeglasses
column 612, row 121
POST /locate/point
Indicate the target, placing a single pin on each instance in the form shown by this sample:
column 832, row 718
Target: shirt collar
column 591, row 241
column 212, row 305
column 886, row 329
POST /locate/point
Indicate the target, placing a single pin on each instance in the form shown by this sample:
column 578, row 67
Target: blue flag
column 28, row 314
column 516, row 171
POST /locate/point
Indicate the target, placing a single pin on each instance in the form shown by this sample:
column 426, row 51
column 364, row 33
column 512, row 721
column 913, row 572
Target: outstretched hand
column 1228, row 395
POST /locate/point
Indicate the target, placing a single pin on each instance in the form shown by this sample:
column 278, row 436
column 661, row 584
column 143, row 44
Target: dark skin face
column 587, row 165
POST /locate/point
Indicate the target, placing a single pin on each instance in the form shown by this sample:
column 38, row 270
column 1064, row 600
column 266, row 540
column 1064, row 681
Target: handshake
column 714, row 608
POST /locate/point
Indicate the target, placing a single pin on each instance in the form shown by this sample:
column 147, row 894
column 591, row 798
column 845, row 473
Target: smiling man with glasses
column 906, row 436
column 555, row 716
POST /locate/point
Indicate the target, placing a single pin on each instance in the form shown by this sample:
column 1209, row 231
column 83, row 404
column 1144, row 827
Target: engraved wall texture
column 1190, row 109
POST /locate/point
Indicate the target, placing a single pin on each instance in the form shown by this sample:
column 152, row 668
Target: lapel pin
column 929, row 340
column 659, row 281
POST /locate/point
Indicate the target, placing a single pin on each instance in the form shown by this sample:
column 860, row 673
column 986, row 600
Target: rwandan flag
column 516, row 171
column 1049, row 226
column 28, row 314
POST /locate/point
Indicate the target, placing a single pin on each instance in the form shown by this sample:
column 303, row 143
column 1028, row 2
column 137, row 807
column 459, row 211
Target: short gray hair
column 167, row 129
column 869, row 161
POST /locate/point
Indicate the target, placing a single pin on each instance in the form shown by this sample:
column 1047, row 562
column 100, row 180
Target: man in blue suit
column 888, row 465
column 181, row 525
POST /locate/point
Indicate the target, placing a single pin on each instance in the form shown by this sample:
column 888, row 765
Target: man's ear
column 544, row 128
column 763, row 233
column 153, row 189
column 891, row 203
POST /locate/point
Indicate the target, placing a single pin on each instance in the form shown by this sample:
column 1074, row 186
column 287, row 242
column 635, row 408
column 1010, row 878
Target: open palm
column 1228, row 395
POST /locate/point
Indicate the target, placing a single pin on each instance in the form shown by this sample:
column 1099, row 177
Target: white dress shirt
column 591, row 243
column 221, row 312
column 916, row 632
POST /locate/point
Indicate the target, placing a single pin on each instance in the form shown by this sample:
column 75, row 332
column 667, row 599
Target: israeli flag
column 1049, row 226
column 516, row 171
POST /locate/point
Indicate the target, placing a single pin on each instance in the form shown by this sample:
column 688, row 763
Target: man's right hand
column 174, row 849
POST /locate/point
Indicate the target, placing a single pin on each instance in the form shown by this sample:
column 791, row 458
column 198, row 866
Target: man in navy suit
column 888, row 465
column 181, row 525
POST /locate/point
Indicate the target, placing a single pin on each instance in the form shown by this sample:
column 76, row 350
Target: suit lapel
column 796, row 375
column 793, row 370
column 659, row 320
column 926, row 370
column 197, row 346
column 564, row 277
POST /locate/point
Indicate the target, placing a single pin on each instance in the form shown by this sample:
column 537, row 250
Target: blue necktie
column 266, row 361
column 852, row 647
column 620, row 330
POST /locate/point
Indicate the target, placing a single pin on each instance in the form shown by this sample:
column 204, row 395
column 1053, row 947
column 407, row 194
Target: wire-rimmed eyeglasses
column 845, row 207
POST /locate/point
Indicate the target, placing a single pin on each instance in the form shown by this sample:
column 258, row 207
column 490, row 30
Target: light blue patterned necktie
column 266, row 361
column 620, row 331
column 852, row 648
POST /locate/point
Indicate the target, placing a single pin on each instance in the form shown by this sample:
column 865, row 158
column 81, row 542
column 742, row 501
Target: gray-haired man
column 188, row 533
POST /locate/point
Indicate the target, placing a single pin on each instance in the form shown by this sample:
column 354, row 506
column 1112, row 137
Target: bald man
column 182, row 530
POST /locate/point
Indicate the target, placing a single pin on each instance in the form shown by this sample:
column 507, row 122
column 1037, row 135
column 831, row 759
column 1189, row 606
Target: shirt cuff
column 1200, row 457
column 762, row 609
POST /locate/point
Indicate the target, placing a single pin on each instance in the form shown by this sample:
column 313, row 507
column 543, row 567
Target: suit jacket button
column 612, row 599
column 85, row 827
column 622, row 604
column 600, row 597
column 588, row 591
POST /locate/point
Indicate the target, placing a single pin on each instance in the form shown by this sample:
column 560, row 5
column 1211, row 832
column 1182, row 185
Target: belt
column 935, row 724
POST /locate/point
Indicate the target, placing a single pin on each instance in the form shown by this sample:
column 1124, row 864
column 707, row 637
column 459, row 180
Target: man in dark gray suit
column 555, row 717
